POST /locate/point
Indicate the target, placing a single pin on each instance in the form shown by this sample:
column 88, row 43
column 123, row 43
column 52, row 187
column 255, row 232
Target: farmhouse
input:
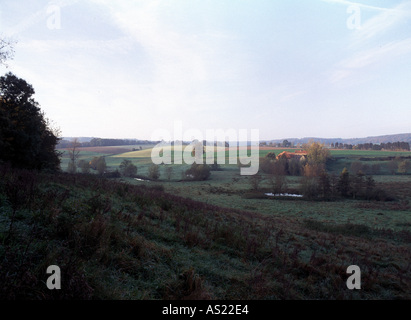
column 298, row 154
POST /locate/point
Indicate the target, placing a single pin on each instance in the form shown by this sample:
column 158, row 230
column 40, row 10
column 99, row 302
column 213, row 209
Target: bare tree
column 255, row 181
column 74, row 154
column 6, row 50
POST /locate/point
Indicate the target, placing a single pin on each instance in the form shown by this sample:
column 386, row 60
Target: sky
column 289, row 69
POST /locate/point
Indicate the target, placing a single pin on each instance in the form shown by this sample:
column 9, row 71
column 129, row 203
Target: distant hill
column 80, row 139
column 404, row 137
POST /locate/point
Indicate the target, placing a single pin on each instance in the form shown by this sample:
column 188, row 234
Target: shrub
column 154, row 172
column 99, row 164
column 127, row 168
column 198, row 172
column 84, row 166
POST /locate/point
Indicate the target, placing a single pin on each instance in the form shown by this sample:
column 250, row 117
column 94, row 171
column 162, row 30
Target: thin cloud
column 367, row 58
column 382, row 23
column 182, row 66
column 369, row 45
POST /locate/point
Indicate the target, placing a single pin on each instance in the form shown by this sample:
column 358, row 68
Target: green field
column 142, row 158
column 369, row 153
column 227, row 188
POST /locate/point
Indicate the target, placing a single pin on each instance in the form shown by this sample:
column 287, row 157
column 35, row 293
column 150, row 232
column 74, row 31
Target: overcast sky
column 292, row 69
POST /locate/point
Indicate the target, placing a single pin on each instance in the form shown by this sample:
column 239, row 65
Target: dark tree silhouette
column 26, row 140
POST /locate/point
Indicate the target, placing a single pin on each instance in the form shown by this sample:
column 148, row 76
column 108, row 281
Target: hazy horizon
column 324, row 68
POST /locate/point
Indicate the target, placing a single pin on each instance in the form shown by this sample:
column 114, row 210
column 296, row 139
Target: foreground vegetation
column 114, row 240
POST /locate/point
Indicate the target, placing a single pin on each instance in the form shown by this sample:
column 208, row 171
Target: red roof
column 289, row 155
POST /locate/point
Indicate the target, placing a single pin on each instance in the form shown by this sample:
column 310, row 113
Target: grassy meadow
column 227, row 188
column 123, row 238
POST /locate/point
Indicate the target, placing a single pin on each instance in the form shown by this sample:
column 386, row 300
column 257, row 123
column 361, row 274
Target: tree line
column 100, row 142
column 390, row 146
column 347, row 185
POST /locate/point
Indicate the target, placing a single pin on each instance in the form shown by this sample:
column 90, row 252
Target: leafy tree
column 93, row 163
column 154, row 172
column 358, row 184
column 294, row 166
column 317, row 154
column 309, row 187
column 267, row 165
column 198, row 172
column 26, row 139
column 344, row 183
column 84, row 166
column 281, row 167
column 101, row 165
column 127, row 168
column 309, row 181
column 324, row 185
